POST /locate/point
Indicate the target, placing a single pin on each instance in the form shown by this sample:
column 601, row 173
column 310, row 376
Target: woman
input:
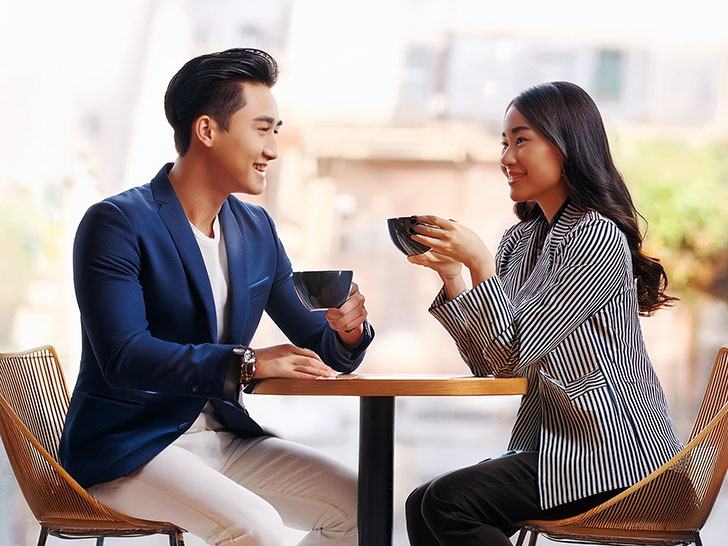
column 558, row 305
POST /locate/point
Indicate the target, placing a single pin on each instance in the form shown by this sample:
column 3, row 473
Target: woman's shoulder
column 595, row 221
column 574, row 224
column 595, row 233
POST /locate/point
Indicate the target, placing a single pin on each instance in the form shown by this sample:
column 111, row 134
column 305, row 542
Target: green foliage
column 682, row 191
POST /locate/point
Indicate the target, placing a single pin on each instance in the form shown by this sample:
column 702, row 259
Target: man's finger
column 352, row 303
column 311, row 362
column 300, row 374
column 335, row 321
column 314, row 368
column 305, row 353
column 354, row 323
column 358, row 313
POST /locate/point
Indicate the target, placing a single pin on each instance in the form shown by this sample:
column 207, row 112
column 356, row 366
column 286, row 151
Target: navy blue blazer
column 150, row 360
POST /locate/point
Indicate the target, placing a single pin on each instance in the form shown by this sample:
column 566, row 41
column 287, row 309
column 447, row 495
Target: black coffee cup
column 322, row 289
column 402, row 238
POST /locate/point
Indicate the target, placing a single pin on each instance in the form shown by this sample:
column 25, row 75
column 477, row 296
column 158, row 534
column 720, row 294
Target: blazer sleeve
column 497, row 337
column 306, row 328
column 107, row 278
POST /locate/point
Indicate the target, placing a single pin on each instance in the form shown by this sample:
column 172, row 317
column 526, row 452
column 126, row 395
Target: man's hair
column 211, row 84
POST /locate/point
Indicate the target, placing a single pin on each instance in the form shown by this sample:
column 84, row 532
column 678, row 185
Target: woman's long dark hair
column 567, row 116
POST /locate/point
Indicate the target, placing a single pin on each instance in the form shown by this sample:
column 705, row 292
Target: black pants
column 480, row 504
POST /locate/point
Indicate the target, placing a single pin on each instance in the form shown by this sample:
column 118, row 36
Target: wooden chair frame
column 669, row 506
column 34, row 401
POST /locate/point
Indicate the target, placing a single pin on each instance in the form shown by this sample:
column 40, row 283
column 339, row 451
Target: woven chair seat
column 34, row 400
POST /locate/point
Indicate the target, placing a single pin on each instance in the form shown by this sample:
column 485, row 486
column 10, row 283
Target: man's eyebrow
column 268, row 119
column 517, row 129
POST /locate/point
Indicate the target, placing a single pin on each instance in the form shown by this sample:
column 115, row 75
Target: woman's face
column 532, row 165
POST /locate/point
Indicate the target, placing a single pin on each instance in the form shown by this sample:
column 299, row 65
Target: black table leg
column 376, row 468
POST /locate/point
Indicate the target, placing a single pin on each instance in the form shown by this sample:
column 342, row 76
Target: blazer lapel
column 567, row 218
column 520, row 267
column 239, row 295
column 535, row 266
column 174, row 218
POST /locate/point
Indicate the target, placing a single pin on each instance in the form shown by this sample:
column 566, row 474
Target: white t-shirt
column 215, row 258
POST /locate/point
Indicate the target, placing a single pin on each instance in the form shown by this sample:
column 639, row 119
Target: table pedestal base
column 376, row 467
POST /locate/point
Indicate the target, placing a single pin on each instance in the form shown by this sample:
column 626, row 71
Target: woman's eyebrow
column 517, row 129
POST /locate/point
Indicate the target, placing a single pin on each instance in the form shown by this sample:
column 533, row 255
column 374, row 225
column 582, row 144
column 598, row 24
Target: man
column 171, row 280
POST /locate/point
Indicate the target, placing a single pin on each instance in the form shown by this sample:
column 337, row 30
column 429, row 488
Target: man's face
column 242, row 154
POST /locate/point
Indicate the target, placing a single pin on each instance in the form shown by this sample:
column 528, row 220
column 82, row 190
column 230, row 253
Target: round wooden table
column 376, row 428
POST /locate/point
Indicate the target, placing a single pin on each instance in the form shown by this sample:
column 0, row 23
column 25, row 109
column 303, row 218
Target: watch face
column 246, row 354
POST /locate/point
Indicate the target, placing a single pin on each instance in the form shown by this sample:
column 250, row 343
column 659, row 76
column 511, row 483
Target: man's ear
column 203, row 129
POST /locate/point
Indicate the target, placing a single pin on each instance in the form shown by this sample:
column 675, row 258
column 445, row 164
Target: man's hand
column 290, row 361
column 348, row 319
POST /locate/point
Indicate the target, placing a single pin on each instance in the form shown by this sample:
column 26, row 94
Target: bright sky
column 676, row 22
column 60, row 57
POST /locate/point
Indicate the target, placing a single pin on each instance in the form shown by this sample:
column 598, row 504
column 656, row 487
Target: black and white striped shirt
column 563, row 312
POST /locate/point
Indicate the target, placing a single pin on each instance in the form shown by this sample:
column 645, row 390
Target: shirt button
column 195, row 389
column 206, row 390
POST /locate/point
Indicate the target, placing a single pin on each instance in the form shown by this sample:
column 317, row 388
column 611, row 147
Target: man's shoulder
column 151, row 195
column 132, row 203
column 132, row 198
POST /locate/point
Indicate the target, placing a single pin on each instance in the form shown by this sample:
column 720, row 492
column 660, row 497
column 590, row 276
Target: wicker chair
column 33, row 404
column 669, row 506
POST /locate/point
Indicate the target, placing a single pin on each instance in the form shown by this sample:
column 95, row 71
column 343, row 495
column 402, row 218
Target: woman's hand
column 446, row 267
column 290, row 361
column 452, row 242
column 348, row 320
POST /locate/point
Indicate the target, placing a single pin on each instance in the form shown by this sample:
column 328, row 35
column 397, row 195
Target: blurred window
column 608, row 84
column 418, row 83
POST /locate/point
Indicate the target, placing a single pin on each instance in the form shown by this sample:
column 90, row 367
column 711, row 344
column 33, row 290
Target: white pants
column 230, row 491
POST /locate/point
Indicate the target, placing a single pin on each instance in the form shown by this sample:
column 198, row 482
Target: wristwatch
column 247, row 364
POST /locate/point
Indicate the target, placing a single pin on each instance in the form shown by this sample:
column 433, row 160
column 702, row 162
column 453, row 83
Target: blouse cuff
column 447, row 311
column 488, row 306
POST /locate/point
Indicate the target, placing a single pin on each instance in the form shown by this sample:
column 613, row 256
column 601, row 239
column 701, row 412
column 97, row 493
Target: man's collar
column 162, row 189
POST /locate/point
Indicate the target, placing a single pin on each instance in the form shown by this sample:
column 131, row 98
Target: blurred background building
column 391, row 108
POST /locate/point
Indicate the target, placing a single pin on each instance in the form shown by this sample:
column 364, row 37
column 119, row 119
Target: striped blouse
column 562, row 311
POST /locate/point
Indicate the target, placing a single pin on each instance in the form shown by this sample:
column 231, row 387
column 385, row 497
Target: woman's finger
column 429, row 231
column 438, row 244
column 421, row 259
column 442, row 223
column 440, row 257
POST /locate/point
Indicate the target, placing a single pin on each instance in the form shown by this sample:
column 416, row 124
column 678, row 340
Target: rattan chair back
column 670, row 505
column 33, row 404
